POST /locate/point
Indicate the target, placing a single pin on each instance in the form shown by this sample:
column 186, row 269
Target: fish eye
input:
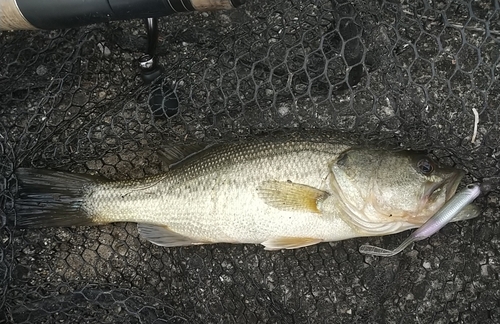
column 425, row 166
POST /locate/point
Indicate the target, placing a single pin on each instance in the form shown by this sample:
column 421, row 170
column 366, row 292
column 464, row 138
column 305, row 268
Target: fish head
column 382, row 192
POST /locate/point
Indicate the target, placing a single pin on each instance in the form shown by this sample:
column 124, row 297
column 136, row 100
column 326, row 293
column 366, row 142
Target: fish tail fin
column 49, row 198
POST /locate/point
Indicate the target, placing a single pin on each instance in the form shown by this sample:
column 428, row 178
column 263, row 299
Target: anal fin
column 279, row 243
column 163, row 236
column 291, row 196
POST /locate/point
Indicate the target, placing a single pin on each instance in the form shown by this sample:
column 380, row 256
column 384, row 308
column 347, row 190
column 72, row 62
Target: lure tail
column 49, row 198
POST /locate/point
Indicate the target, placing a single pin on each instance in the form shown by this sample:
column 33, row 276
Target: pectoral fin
column 291, row 196
column 163, row 236
column 279, row 243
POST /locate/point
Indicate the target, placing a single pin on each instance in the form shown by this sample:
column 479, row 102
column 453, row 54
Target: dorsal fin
column 172, row 155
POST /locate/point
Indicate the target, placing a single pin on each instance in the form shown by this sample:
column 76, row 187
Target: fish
column 281, row 194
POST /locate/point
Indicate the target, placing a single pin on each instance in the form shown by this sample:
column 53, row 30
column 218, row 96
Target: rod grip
column 60, row 14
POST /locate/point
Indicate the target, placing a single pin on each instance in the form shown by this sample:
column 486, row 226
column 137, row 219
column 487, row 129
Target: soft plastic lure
column 443, row 216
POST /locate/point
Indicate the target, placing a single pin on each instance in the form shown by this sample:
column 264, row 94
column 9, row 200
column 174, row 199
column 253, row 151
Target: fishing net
column 413, row 74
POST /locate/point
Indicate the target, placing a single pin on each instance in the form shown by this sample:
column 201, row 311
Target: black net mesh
column 410, row 73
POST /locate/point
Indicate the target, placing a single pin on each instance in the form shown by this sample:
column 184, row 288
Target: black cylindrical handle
column 58, row 14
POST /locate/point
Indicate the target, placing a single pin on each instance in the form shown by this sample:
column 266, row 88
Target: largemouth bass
column 282, row 195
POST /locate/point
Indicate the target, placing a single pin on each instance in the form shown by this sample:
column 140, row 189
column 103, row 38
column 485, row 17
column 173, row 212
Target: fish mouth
column 453, row 183
column 449, row 185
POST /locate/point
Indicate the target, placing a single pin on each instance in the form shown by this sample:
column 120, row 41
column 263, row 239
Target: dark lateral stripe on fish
column 49, row 198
